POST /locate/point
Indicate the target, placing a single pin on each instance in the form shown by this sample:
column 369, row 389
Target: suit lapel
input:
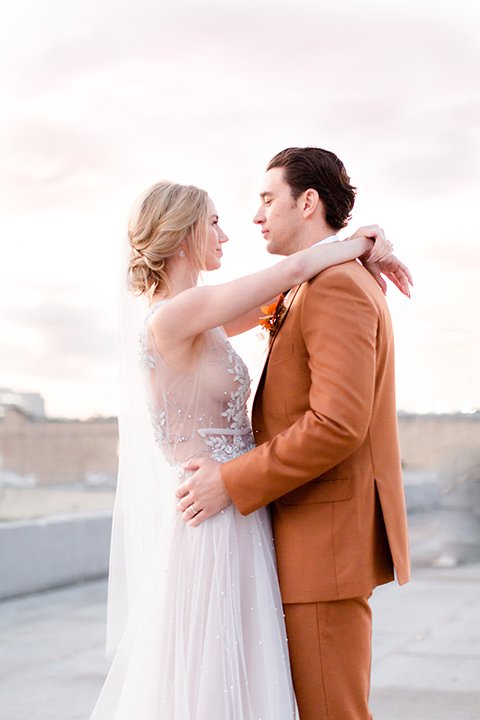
column 291, row 297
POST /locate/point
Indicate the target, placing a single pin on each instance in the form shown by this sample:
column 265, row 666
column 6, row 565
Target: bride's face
column 215, row 238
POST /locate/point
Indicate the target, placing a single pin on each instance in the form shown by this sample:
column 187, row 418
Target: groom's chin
column 272, row 249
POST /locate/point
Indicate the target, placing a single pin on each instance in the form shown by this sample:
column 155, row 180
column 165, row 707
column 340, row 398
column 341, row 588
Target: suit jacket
column 328, row 459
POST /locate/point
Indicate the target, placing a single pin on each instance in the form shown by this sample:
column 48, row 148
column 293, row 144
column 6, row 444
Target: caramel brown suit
column 328, row 461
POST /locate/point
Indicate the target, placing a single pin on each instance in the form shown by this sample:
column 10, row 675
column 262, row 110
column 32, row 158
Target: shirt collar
column 326, row 241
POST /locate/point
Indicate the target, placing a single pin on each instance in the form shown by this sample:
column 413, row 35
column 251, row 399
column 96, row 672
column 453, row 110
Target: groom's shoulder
column 348, row 273
column 349, row 278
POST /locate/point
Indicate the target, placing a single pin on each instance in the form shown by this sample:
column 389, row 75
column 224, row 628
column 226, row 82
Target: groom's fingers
column 198, row 518
column 188, row 516
column 185, row 498
column 183, row 490
column 192, row 464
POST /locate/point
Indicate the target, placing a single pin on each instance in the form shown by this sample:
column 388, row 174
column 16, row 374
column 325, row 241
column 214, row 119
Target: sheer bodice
column 202, row 411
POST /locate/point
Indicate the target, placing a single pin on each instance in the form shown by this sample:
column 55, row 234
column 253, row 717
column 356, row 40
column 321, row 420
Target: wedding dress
column 206, row 637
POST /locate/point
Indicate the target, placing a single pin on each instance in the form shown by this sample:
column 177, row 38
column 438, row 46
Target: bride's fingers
column 395, row 265
column 400, row 280
column 381, row 282
column 402, row 272
column 407, row 272
column 381, row 252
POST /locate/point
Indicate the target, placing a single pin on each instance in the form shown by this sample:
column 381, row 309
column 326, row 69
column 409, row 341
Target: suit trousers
column 330, row 646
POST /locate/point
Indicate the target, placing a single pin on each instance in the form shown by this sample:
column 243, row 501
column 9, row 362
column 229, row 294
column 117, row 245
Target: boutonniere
column 274, row 315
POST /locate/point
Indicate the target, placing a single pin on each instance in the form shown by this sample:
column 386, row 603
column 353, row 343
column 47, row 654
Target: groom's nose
column 259, row 217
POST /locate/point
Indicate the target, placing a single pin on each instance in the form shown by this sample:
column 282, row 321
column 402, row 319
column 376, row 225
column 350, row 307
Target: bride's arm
column 392, row 268
column 198, row 309
column 389, row 265
column 248, row 321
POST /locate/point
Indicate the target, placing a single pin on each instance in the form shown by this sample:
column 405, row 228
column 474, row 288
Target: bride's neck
column 181, row 276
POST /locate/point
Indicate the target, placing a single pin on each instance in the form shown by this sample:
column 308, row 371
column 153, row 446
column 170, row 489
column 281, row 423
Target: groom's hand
column 203, row 494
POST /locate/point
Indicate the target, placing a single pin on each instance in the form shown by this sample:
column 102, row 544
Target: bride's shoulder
column 155, row 315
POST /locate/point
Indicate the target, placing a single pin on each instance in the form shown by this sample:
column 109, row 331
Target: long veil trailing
column 138, row 519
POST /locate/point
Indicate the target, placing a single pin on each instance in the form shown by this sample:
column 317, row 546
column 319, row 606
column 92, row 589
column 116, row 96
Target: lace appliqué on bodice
column 201, row 412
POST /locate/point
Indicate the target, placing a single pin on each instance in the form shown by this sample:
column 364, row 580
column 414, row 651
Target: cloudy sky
column 102, row 98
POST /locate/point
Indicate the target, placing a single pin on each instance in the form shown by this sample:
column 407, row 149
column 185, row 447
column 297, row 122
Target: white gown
column 206, row 640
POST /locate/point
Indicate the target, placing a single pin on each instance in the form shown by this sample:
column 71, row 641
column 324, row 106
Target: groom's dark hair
column 312, row 167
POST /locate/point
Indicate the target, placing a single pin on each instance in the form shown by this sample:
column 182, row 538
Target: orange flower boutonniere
column 274, row 315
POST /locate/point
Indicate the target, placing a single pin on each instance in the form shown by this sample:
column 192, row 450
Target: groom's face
column 279, row 215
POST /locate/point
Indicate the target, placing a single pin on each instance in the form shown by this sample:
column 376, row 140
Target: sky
column 102, row 99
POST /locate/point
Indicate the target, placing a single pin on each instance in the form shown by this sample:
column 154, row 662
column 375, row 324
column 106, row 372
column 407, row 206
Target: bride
column 196, row 612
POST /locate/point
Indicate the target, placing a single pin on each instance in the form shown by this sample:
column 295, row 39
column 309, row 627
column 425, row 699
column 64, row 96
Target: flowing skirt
column 206, row 639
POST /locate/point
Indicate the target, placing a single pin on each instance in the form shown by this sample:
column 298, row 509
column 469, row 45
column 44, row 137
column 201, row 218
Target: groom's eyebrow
column 265, row 193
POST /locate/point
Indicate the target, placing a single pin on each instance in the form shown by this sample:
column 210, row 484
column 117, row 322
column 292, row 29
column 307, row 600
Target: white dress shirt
column 327, row 240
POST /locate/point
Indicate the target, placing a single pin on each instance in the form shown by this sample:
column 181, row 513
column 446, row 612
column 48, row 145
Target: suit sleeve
column 339, row 326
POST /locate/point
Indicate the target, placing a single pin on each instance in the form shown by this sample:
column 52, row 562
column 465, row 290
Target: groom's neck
column 312, row 236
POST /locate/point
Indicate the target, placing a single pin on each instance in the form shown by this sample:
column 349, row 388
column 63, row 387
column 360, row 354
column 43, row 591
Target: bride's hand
column 393, row 269
column 380, row 260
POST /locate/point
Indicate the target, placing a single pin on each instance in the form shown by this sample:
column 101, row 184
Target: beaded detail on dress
column 202, row 411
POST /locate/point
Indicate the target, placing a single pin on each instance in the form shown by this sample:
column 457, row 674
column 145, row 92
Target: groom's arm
column 339, row 325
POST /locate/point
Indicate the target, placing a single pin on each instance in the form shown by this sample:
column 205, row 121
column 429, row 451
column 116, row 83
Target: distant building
column 47, row 452
column 34, row 449
column 32, row 404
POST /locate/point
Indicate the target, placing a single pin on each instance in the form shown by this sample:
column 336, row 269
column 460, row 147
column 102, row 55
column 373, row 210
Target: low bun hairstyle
column 166, row 218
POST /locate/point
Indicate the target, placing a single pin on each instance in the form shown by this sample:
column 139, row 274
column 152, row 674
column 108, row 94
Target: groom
column 327, row 459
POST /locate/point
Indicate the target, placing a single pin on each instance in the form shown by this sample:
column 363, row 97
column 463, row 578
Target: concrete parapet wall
column 422, row 490
column 438, row 441
column 59, row 550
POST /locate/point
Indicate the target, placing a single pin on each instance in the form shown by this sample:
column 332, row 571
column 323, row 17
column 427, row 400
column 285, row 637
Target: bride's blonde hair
column 167, row 219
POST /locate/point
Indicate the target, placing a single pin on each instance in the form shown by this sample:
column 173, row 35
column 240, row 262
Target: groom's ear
column 310, row 201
